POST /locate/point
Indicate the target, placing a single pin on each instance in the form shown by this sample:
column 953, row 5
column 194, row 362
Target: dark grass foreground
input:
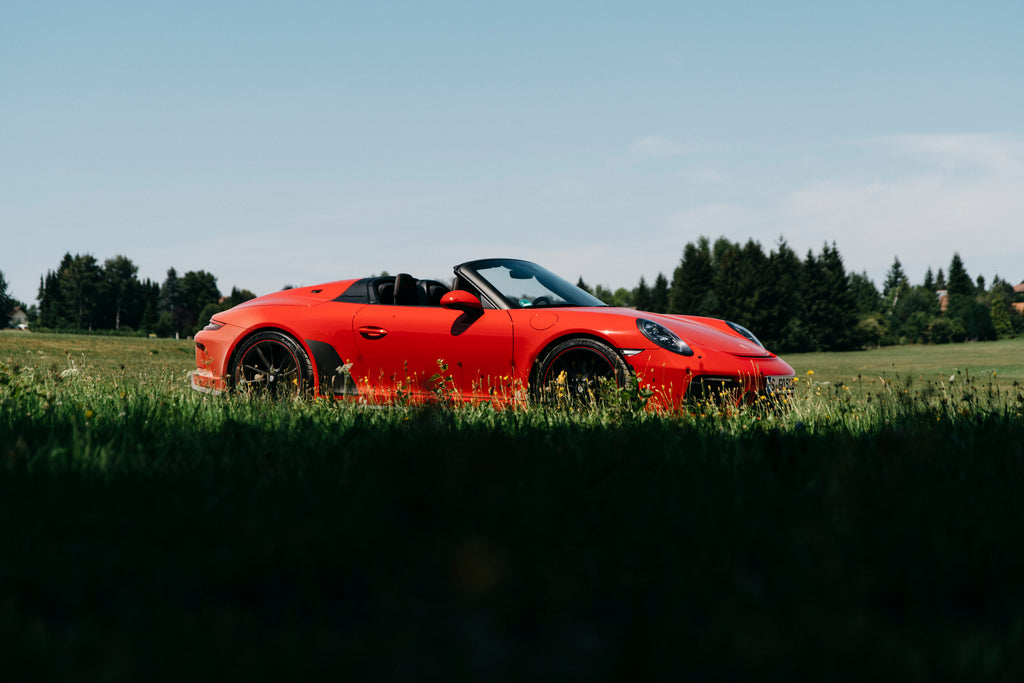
column 166, row 537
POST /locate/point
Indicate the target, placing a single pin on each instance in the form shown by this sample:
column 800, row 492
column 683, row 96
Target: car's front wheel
column 579, row 370
column 270, row 363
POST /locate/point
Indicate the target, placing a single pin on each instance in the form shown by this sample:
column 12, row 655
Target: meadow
column 871, row 527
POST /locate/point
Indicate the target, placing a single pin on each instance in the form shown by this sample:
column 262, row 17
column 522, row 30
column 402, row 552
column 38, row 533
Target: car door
column 402, row 350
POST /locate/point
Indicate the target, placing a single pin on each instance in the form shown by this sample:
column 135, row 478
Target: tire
column 271, row 364
column 590, row 368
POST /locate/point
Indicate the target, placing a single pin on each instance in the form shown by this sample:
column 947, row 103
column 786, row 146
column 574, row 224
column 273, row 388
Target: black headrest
column 405, row 290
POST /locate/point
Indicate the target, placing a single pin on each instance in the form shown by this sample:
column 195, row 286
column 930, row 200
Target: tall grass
column 868, row 528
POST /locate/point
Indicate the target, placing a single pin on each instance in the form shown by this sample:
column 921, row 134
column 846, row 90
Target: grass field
column 875, row 528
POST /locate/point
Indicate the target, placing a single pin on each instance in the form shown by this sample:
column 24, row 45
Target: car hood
column 700, row 333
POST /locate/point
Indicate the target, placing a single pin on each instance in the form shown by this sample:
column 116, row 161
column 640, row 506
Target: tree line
column 83, row 294
column 793, row 304
column 813, row 304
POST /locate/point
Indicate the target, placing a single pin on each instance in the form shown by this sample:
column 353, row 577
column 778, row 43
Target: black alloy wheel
column 579, row 371
column 271, row 364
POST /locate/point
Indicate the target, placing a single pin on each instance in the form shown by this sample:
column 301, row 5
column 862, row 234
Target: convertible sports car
column 506, row 331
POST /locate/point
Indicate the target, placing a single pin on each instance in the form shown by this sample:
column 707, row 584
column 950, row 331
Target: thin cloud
column 960, row 193
column 957, row 151
column 657, row 146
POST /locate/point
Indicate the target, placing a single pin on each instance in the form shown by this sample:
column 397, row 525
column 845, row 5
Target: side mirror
column 461, row 300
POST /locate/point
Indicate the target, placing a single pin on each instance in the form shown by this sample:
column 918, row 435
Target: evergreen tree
column 959, row 282
column 623, row 297
column 149, row 306
column 755, row 265
column 1000, row 315
column 1001, row 287
column 831, row 309
column 975, row 317
column 815, row 312
column 602, row 293
column 172, row 305
column 642, row 296
column 865, row 293
column 198, row 289
column 119, row 274
column 51, row 304
column 80, row 283
column 893, row 278
column 729, row 286
column 912, row 313
column 842, row 307
column 929, row 280
column 239, row 296
column 659, row 294
column 963, row 307
column 6, row 302
column 781, row 325
column 692, row 280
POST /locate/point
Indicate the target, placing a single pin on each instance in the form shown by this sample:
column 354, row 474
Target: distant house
column 1018, row 290
column 18, row 319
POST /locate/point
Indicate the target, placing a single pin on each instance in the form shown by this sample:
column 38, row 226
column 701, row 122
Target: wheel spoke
column 267, row 364
column 583, row 370
column 269, row 367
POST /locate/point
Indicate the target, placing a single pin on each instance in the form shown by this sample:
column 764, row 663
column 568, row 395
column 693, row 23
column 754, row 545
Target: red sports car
column 506, row 331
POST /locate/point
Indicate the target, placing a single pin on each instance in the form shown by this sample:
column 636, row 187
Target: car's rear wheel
column 272, row 364
column 579, row 370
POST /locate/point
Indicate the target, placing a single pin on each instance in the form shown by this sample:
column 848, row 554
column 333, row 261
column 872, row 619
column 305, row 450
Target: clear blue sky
column 275, row 143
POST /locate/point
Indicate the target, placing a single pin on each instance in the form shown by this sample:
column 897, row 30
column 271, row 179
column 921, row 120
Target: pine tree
column 729, row 286
column 692, row 280
column 80, row 282
column 893, row 278
column 659, row 295
column 781, row 326
column 959, row 282
column 119, row 275
column 642, row 296
column 1000, row 315
column 6, row 302
column 198, row 289
column 865, row 293
column 842, row 306
column 172, row 305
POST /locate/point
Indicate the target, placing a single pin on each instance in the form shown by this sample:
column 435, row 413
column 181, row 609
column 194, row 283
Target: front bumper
column 675, row 381
column 206, row 382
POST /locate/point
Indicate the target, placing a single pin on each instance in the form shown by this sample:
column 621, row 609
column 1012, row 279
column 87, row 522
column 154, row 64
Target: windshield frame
column 484, row 275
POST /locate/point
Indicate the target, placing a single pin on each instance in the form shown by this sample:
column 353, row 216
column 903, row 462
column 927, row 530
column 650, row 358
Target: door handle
column 370, row 332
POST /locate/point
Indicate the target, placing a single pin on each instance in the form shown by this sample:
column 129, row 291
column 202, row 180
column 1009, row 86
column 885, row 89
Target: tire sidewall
column 298, row 352
column 622, row 372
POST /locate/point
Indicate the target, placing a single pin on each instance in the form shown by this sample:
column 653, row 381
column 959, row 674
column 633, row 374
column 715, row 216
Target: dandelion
column 810, row 372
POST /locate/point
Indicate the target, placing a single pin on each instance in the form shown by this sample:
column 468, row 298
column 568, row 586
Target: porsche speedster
column 506, row 331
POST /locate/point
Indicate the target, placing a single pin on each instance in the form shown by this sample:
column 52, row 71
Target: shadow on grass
column 266, row 541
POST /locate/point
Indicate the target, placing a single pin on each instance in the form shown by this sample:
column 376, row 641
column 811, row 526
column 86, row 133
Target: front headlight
column 663, row 337
column 745, row 332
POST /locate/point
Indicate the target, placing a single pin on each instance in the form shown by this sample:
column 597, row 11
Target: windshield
column 526, row 285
